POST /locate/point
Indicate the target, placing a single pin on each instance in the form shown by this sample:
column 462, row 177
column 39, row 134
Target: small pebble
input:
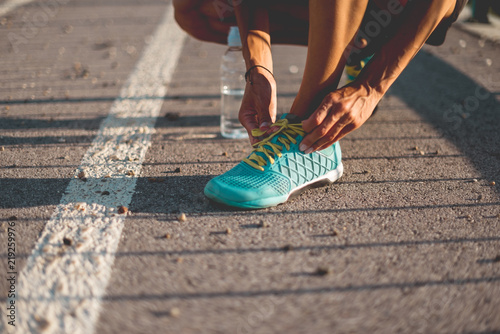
column 168, row 236
column 68, row 28
column 492, row 183
column 7, row 108
column 462, row 43
column 81, row 175
column 264, row 224
column 105, row 193
column 489, row 62
column 335, row 232
column 13, row 218
column 415, row 148
column 224, row 154
column 67, row 241
column 474, row 180
column 323, row 271
column 155, row 180
column 182, row 217
column 293, row 69
column 2, row 148
column 177, row 170
column 42, row 323
column 179, row 260
column 130, row 173
column 175, row 312
column 421, row 153
column 228, row 231
column 172, row 116
column 122, row 209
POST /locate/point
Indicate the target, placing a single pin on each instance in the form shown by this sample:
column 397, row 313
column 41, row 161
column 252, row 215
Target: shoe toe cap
column 241, row 190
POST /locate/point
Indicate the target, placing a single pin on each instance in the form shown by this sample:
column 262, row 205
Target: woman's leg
column 330, row 33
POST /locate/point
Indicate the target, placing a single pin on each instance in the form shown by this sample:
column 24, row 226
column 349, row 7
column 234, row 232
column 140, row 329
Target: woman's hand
column 340, row 112
column 258, row 108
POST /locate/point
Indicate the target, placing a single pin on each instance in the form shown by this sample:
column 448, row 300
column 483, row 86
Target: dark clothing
column 439, row 34
column 374, row 43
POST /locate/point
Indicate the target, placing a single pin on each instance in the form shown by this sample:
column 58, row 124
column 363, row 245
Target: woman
column 337, row 33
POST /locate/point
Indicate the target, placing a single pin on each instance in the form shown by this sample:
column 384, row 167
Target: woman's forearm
column 253, row 23
column 393, row 57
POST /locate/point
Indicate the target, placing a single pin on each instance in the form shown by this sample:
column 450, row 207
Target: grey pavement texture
column 489, row 31
column 410, row 234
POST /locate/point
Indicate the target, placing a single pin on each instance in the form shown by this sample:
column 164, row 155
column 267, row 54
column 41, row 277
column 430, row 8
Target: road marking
column 61, row 287
column 10, row 5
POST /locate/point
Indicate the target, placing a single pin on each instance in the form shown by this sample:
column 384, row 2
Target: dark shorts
column 439, row 34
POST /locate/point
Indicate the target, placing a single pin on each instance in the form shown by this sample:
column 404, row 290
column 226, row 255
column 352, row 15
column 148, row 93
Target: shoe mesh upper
column 249, row 178
column 301, row 168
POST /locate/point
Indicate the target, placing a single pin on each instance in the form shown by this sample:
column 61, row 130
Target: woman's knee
column 186, row 12
column 199, row 20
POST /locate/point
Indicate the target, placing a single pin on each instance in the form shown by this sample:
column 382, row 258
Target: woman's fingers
column 326, row 142
column 258, row 108
column 322, row 124
column 340, row 112
column 326, row 134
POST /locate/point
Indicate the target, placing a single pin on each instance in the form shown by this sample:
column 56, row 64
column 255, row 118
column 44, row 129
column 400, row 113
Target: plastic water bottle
column 232, row 87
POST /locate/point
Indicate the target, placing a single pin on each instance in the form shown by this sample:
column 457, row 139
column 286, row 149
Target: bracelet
column 251, row 68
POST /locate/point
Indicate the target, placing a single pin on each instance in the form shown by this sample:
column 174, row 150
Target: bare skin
column 328, row 113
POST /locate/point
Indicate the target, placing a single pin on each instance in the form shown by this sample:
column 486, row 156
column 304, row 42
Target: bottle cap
column 233, row 38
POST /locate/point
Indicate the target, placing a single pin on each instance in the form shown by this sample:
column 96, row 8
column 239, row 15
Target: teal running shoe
column 276, row 170
column 352, row 71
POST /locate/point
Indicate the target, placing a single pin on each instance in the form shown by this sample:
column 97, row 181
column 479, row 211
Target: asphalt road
column 408, row 241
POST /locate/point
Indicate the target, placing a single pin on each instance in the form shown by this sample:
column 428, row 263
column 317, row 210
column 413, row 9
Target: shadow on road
column 461, row 109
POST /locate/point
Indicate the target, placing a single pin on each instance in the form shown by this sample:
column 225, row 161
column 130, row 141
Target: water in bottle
column 232, row 87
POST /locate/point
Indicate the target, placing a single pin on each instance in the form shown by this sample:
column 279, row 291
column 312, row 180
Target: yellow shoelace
column 270, row 150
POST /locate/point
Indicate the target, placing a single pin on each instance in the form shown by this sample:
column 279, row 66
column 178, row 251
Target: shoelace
column 285, row 134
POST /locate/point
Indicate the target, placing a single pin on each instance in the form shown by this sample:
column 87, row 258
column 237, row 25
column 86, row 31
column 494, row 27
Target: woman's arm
column 253, row 23
column 258, row 108
column 346, row 109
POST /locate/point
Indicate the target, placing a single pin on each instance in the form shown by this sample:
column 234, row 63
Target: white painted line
column 10, row 5
column 61, row 287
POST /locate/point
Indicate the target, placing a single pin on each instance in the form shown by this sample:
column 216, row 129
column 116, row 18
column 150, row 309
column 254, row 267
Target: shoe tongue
column 292, row 119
